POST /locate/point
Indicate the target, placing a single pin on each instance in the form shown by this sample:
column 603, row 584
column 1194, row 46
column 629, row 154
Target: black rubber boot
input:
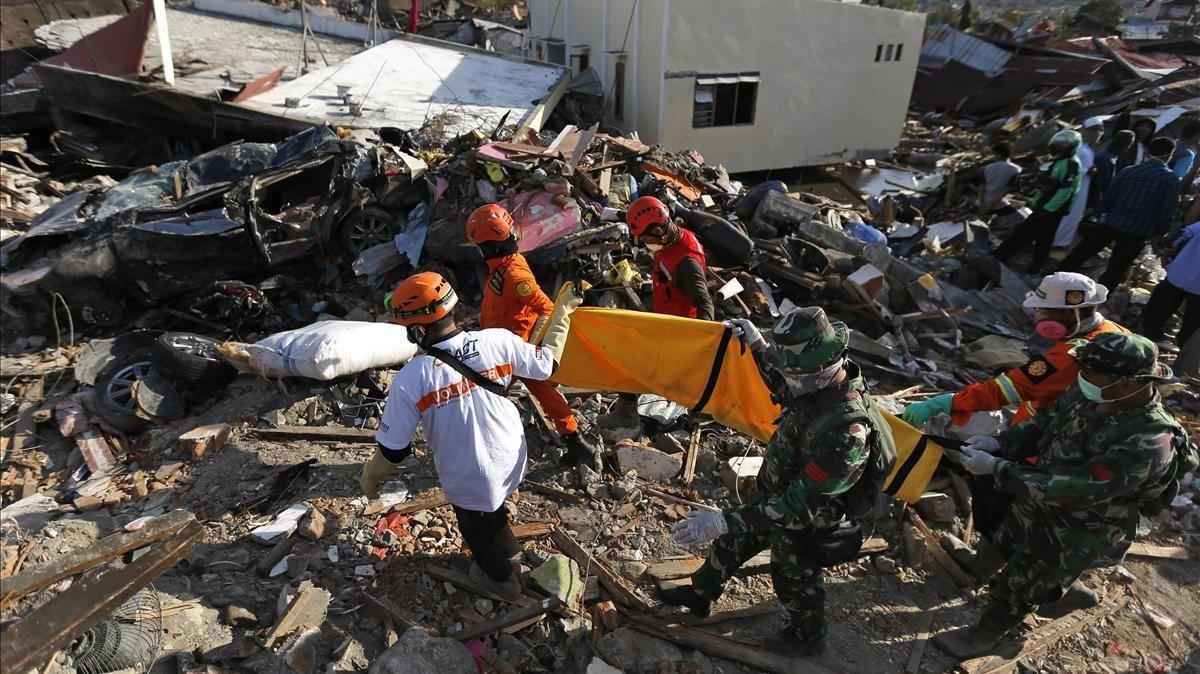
column 684, row 595
column 580, row 451
column 983, row 562
column 1077, row 597
column 969, row 642
column 789, row 643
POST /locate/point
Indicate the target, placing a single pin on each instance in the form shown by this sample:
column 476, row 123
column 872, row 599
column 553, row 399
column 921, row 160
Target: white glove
column 746, row 331
column 983, row 443
column 699, row 527
column 977, row 462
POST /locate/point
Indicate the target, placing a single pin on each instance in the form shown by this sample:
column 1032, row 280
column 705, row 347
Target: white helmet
column 1066, row 290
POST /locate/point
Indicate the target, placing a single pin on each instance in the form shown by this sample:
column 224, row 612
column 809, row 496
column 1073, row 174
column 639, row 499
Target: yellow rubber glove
column 374, row 472
column 560, row 320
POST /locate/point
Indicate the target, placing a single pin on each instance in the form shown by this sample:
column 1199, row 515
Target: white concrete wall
column 822, row 97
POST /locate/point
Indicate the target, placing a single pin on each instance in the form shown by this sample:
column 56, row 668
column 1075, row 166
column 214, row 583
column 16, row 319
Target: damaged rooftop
column 203, row 220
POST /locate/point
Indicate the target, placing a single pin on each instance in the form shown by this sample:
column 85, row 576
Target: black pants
column 490, row 540
column 1164, row 302
column 1125, row 249
column 1038, row 229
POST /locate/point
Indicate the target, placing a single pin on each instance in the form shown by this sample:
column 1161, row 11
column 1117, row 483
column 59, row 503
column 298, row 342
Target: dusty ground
column 878, row 608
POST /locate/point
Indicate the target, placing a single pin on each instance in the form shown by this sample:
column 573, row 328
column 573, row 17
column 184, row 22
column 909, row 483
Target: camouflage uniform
column 824, row 443
column 1078, row 507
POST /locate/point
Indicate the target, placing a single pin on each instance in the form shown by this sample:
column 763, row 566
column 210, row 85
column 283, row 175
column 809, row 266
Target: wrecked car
column 236, row 212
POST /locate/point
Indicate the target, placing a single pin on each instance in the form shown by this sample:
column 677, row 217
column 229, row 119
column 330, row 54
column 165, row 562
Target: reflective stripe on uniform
column 1008, row 389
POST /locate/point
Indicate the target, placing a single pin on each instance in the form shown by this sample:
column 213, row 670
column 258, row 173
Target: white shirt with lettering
column 475, row 436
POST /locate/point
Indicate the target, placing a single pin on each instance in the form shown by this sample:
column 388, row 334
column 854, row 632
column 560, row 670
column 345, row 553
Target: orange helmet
column 489, row 223
column 421, row 299
column 645, row 212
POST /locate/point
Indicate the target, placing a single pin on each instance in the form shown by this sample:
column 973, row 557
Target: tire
column 191, row 361
column 114, row 391
column 368, row 227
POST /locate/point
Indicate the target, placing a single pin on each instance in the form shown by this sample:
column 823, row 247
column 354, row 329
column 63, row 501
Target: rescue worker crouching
column 474, row 432
column 513, row 300
column 679, row 286
column 825, row 464
column 1107, row 453
column 1066, row 307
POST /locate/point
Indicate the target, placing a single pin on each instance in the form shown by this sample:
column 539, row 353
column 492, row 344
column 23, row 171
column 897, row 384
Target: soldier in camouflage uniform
column 1107, row 451
column 827, row 460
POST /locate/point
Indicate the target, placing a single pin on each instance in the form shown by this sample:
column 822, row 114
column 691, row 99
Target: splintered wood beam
column 340, row 434
column 51, row 627
column 1044, row 637
column 78, row 561
column 513, row 617
column 611, row 582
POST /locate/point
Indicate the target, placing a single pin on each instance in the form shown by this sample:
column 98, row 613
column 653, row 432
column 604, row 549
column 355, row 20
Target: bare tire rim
column 120, row 387
column 369, row 230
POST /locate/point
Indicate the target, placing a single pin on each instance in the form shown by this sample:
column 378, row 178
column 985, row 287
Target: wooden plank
column 1043, row 637
column 765, row 608
column 50, row 627
column 520, row 615
column 605, row 182
column 581, row 146
column 553, row 492
column 434, row 499
column 611, row 582
column 939, row 555
column 383, row 608
column 1158, row 551
column 338, row 433
column 689, row 462
column 462, row 580
column 102, row 551
column 676, row 499
column 721, row 647
column 532, row 530
column 920, row 641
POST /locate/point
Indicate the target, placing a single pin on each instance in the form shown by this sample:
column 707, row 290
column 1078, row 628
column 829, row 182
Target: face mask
column 1052, row 330
column 806, row 384
column 1096, row 393
column 653, row 247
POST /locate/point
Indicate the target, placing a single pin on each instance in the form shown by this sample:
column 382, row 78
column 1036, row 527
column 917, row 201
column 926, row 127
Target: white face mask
column 653, row 247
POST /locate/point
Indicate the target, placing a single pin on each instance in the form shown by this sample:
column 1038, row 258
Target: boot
column 789, row 643
column 580, row 451
column 508, row 590
column 983, row 562
column 1077, row 597
column 684, row 595
column 970, row 642
column 623, row 415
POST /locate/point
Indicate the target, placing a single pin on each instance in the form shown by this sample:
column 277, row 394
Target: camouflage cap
column 1121, row 354
column 808, row 340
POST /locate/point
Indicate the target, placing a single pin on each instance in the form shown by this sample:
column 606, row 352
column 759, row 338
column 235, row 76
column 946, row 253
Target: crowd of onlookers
column 1119, row 191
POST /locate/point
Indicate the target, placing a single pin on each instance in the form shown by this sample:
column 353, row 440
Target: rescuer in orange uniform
column 1065, row 305
column 513, row 300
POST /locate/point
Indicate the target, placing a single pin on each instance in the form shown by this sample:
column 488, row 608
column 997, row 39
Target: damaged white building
column 762, row 84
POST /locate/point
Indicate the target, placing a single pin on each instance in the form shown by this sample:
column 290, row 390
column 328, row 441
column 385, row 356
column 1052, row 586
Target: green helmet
column 1122, row 354
column 1067, row 137
column 808, row 340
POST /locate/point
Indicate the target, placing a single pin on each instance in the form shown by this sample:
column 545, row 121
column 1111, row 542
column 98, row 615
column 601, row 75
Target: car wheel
column 191, row 360
column 368, row 227
column 101, row 311
column 115, row 401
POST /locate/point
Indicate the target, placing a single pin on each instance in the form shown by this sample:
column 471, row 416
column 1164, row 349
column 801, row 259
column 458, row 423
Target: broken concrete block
column 936, row 506
column 87, row 504
column 649, row 463
column 740, row 475
column 418, row 653
column 626, row 648
column 301, row 653
column 204, row 440
column 95, row 451
column 312, row 526
column 559, row 576
column 306, row 610
column 236, row 616
column 608, row 615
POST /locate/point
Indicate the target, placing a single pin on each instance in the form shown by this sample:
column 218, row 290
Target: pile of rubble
column 281, row 563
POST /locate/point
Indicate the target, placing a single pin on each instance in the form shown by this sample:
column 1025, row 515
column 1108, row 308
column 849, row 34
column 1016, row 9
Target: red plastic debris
column 397, row 524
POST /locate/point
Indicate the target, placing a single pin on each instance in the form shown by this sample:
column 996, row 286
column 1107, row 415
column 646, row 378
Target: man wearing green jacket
column 1056, row 191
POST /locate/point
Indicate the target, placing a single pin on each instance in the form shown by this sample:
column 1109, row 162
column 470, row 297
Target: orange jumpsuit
column 1033, row 386
column 513, row 300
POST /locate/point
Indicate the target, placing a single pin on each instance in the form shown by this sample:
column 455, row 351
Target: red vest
column 667, row 298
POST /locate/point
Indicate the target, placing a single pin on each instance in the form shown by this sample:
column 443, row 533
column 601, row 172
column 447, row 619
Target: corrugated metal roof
column 946, row 43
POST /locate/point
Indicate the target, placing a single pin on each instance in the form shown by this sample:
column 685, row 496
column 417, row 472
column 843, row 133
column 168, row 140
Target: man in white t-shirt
column 998, row 178
column 474, row 432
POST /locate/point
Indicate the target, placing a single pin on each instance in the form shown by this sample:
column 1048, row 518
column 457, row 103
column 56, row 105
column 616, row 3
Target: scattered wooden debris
column 1042, row 638
column 306, row 610
column 520, row 615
